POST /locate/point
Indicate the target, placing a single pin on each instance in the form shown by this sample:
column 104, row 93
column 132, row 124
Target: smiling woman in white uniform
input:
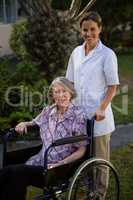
column 93, row 69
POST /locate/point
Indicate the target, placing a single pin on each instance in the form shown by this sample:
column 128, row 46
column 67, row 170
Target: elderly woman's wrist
column 28, row 123
column 62, row 162
column 103, row 106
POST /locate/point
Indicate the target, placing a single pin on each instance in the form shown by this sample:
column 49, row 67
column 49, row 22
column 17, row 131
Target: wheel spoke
column 95, row 181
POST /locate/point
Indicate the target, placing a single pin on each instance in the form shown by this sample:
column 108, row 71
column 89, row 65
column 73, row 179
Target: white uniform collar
column 97, row 48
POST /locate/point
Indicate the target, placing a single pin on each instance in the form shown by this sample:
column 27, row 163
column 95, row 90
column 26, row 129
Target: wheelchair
column 78, row 180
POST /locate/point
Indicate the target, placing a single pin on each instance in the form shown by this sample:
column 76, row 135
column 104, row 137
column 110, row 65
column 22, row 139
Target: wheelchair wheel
column 95, row 179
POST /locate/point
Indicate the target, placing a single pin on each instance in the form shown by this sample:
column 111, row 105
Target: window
column 10, row 11
column 1, row 11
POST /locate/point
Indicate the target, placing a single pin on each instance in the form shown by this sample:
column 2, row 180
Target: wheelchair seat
column 72, row 181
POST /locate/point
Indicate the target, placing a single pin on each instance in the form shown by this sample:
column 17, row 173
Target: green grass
column 32, row 192
column 122, row 159
column 125, row 63
column 123, row 101
column 123, row 107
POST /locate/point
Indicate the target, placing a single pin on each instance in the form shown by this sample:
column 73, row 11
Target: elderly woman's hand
column 50, row 166
column 62, row 162
column 21, row 127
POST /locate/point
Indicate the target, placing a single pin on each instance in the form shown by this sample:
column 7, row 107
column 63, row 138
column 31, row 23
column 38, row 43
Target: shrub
column 17, row 37
column 16, row 117
column 19, row 88
column 46, row 41
column 25, row 73
column 4, row 123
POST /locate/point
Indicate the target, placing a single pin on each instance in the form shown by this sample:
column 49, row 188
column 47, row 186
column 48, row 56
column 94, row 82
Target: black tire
column 85, row 185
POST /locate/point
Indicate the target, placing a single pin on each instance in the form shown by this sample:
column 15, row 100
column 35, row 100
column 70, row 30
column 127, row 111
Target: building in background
column 10, row 12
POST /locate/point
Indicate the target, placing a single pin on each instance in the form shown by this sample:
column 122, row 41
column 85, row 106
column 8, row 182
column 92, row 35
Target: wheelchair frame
column 56, row 192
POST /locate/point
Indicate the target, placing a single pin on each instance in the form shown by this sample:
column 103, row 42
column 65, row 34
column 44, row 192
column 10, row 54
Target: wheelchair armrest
column 63, row 141
column 6, row 136
column 11, row 133
column 69, row 140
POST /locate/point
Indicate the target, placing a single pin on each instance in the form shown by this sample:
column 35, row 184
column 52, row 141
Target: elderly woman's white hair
column 68, row 85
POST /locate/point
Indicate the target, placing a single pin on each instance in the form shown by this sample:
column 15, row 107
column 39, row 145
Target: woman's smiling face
column 61, row 95
column 90, row 32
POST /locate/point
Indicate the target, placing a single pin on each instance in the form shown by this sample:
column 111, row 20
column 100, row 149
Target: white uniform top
column 92, row 74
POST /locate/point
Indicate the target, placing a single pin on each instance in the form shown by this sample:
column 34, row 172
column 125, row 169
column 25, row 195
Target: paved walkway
column 123, row 135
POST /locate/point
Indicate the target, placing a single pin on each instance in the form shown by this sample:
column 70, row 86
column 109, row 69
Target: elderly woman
column 58, row 120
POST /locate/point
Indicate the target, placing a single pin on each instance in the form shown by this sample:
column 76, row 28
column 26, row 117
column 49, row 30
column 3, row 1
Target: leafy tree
column 114, row 13
column 50, row 35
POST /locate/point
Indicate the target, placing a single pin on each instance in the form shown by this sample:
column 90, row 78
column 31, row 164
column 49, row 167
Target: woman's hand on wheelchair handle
column 21, row 127
column 99, row 114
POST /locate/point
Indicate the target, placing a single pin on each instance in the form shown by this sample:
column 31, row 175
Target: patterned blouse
column 51, row 129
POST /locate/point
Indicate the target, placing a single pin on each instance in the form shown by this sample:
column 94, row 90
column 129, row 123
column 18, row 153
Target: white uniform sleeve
column 70, row 69
column 111, row 69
